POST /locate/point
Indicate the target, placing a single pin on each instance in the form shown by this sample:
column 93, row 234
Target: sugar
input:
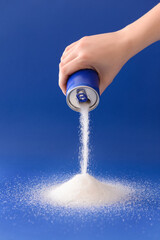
column 84, row 137
column 83, row 190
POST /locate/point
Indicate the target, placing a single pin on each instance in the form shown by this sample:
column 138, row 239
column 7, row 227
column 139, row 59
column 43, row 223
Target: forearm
column 143, row 32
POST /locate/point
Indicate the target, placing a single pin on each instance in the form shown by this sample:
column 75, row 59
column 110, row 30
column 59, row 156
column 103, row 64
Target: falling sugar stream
column 84, row 137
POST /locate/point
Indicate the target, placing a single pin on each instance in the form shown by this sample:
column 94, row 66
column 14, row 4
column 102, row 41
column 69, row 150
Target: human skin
column 108, row 52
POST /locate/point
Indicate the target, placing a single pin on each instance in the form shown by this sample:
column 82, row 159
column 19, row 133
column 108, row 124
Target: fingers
column 68, row 69
column 67, row 49
column 69, row 57
column 73, row 59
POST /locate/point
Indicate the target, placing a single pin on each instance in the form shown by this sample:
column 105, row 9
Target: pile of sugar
column 83, row 190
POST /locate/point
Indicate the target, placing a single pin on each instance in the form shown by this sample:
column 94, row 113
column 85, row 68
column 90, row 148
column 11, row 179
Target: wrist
column 133, row 41
column 127, row 43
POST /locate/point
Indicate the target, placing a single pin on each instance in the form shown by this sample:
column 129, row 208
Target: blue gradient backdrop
column 39, row 133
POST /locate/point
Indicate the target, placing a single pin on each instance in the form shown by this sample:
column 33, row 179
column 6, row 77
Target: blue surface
column 38, row 131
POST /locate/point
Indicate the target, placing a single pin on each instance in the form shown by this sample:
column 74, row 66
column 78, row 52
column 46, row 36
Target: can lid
column 88, row 94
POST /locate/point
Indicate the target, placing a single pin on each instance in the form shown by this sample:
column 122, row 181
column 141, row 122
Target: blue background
column 39, row 133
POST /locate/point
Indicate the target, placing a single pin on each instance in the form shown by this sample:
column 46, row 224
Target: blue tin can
column 83, row 86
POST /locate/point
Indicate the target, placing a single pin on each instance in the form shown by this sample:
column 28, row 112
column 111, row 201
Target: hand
column 106, row 53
